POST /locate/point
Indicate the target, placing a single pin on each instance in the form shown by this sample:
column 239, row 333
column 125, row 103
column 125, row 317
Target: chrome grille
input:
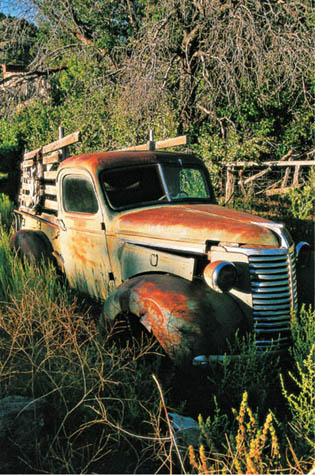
column 274, row 295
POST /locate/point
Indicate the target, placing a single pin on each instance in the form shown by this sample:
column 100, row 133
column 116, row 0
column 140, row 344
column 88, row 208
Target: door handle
column 62, row 225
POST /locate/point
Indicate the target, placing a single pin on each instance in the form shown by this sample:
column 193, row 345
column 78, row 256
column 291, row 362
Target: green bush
column 301, row 403
column 301, row 201
column 303, row 333
column 249, row 371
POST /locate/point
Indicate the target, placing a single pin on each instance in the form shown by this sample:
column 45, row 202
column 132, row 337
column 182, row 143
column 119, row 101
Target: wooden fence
column 245, row 179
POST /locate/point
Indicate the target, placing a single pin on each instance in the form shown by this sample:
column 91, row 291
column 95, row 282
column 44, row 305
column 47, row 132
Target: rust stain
column 95, row 162
column 76, row 248
column 156, row 317
column 196, row 223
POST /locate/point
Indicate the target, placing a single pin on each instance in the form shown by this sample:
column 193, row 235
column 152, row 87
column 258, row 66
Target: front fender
column 187, row 318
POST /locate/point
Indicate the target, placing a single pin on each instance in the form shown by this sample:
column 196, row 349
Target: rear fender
column 187, row 318
column 33, row 245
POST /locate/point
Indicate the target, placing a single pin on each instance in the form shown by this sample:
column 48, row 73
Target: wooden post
column 230, row 184
column 296, row 176
column 64, row 150
column 286, row 177
column 151, row 143
column 241, row 183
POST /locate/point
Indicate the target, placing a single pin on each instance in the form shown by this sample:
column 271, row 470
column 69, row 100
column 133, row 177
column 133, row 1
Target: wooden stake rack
column 38, row 193
column 152, row 145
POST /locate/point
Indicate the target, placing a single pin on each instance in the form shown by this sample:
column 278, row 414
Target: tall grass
column 103, row 411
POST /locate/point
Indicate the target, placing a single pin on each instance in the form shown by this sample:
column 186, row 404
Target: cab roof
column 96, row 162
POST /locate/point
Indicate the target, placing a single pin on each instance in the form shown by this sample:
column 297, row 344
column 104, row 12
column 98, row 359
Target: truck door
column 82, row 235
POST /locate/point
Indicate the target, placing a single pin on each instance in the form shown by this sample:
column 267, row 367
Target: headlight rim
column 212, row 275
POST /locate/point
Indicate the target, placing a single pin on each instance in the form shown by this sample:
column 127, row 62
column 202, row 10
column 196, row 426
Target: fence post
column 230, row 184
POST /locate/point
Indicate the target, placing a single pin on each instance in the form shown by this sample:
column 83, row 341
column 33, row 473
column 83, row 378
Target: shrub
column 301, row 201
column 254, row 449
column 301, row 403
column 250, row 371
column 303, row 333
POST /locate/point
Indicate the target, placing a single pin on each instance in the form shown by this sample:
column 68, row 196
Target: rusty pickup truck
column 141, row 230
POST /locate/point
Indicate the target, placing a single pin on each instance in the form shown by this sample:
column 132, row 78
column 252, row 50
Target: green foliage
column 6, row 208
column 301, row 402
column 254, row 449
column 246, row 370
column 11, row 134
column 214, row 428
column 20, row 38
column 17, row 277
column 303, row 333
column 302, row 201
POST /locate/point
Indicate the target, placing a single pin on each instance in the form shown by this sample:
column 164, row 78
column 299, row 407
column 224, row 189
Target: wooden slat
column 180, row 140
column 50, row 175
column 144, row 147
column 51, row 147
column 279, row 191
column 286, row 178
column 257, row 175
column 50, row 190
column 27, row 164
column 50, row 204
column 229, row 185
column 64, row 142
column 53, row 158
column 25, row 197
column 33, row 153
column 26, row 186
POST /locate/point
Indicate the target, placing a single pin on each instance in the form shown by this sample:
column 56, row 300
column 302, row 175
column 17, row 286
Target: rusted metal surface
column 138, row 260
column 96, row 162
column 195, row 224
column 187, row 318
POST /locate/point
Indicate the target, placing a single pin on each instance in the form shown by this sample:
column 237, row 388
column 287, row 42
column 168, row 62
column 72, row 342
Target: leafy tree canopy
column 236, row 75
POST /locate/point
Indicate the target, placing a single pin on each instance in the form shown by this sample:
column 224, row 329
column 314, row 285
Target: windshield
column 141, row 185
column 185, row 182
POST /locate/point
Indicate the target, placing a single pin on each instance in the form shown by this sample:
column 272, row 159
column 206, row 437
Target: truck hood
column 193, row 224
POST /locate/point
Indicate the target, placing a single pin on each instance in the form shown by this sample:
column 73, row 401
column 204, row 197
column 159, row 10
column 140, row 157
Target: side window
column 79, row 195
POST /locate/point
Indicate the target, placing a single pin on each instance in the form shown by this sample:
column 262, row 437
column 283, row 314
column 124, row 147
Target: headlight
column 303, row 254
column 220, row 275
